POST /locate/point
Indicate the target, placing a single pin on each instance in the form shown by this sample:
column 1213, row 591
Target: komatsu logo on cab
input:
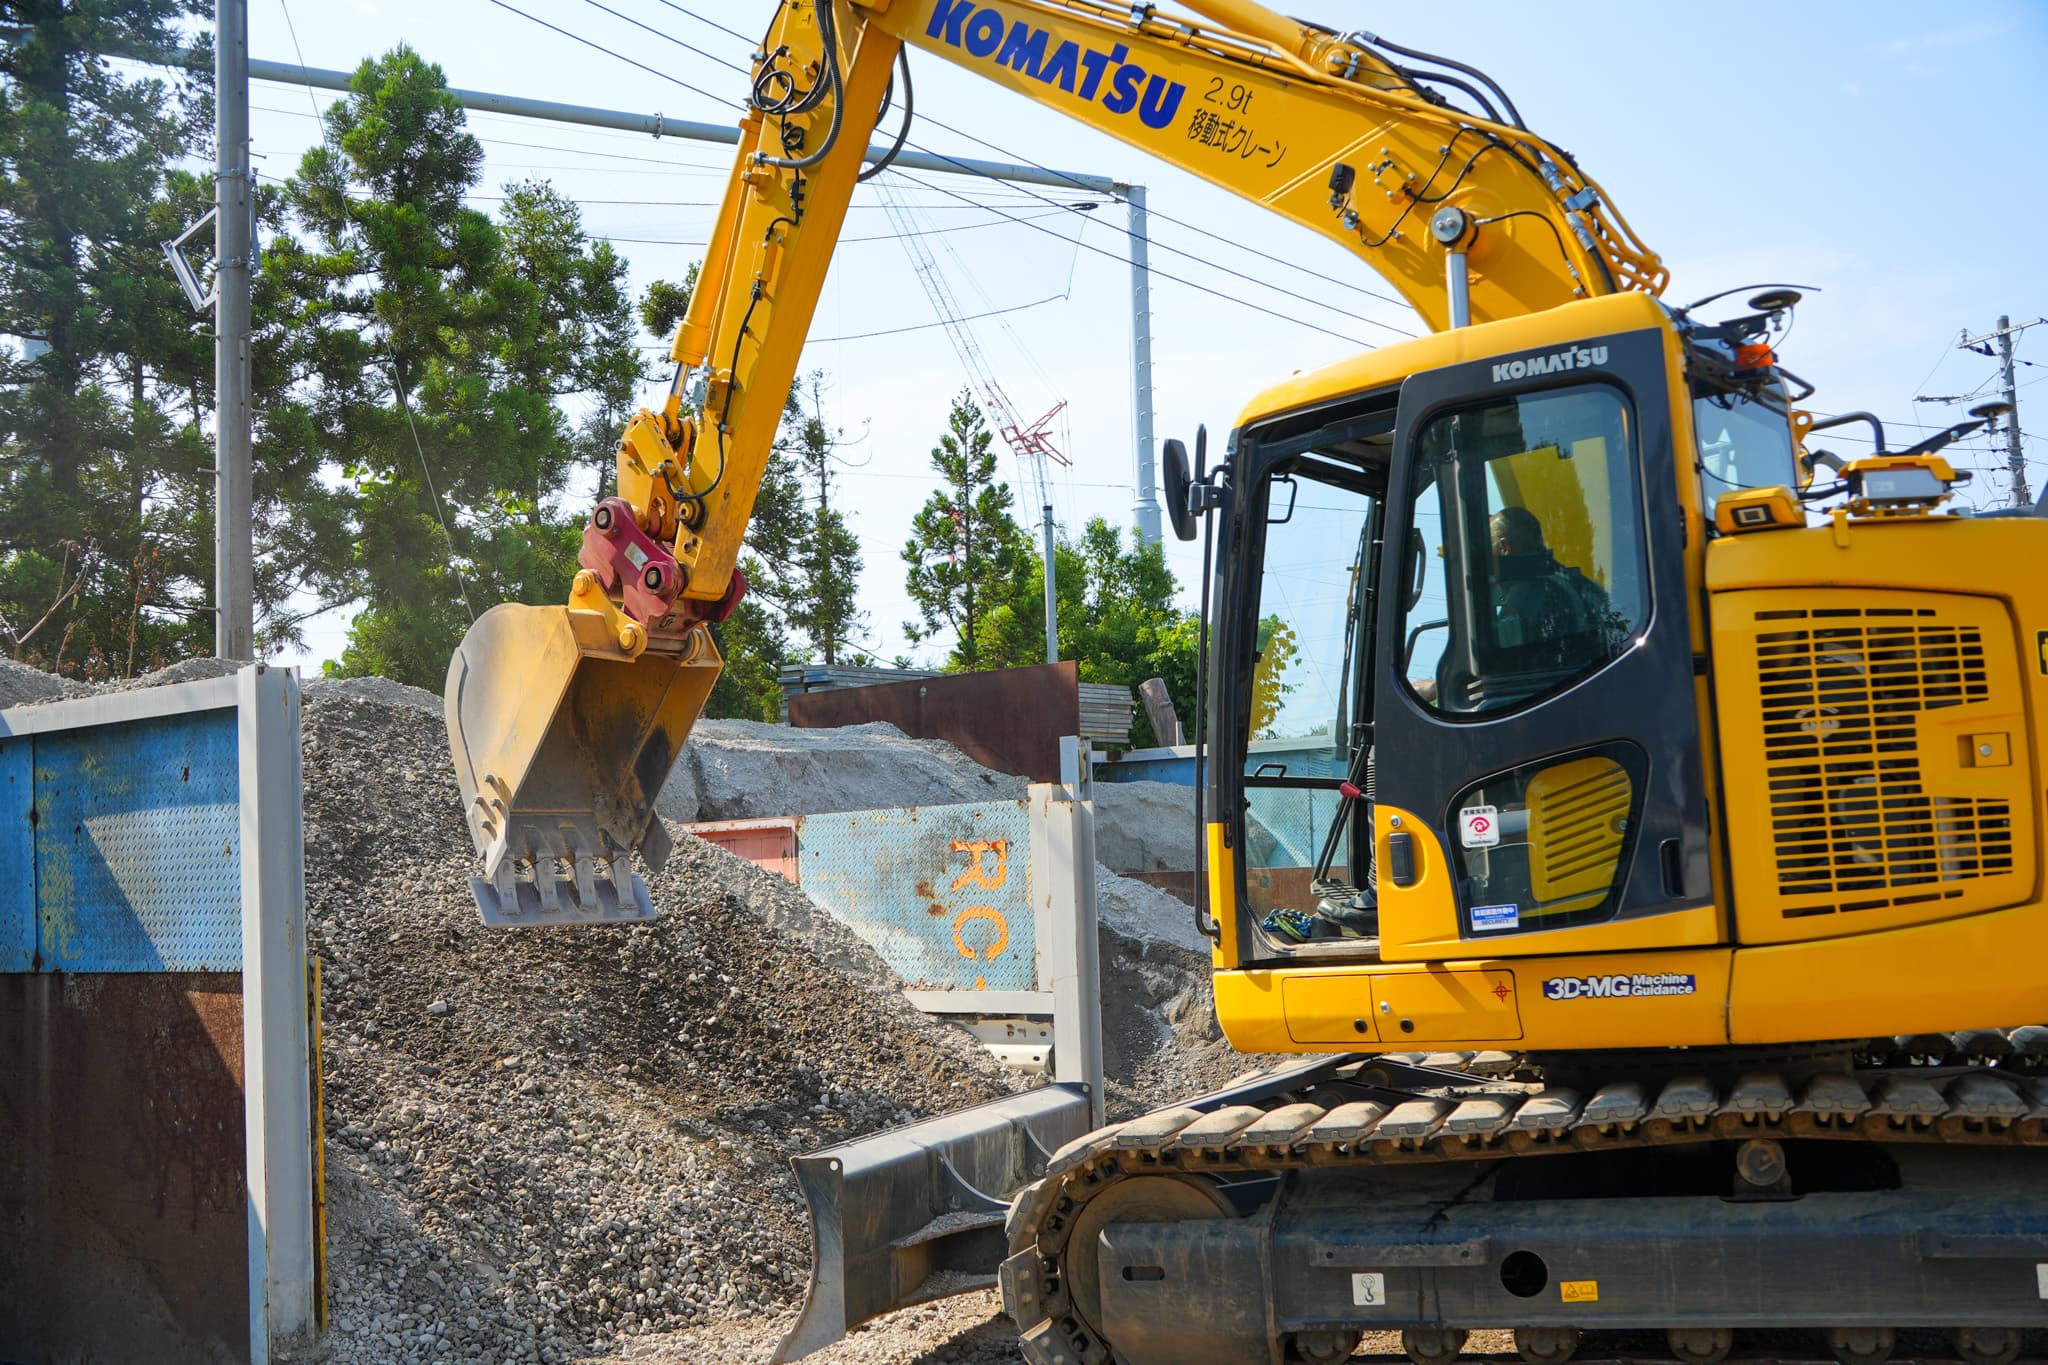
column 982, row 31
column 1571, row 358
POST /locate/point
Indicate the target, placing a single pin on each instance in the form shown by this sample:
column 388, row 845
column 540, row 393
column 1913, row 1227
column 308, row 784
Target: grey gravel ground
column 547, row 1144
column 544, row 1143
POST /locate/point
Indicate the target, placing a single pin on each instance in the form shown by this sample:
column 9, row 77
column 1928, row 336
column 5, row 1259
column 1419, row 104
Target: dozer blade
column 561, row 743
column 916, row 1213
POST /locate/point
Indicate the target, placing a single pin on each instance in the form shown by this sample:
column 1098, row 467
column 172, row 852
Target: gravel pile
column 542, row 1142
column 21, row 685
column 1145, row 826
column 743, row 770
column 554, row 1144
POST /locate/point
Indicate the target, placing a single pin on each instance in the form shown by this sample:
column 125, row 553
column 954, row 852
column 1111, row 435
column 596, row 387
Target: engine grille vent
column 1842, row 692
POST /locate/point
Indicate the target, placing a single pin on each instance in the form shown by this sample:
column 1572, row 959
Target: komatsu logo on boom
column 1571, row 358
column 982, row 31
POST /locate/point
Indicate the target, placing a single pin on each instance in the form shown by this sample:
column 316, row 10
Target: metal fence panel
column 943, row 893
column 17, row 856
column 138, row 846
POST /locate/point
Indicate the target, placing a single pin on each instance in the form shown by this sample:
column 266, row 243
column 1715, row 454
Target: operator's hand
column 1425, row 688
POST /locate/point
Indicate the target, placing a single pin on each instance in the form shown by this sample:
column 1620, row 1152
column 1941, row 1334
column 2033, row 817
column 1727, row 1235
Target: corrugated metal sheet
column 17, row 857
column 943, row 893
column 138, row 862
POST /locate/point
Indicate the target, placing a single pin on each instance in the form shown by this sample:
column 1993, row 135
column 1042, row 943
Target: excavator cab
column 1484, row 730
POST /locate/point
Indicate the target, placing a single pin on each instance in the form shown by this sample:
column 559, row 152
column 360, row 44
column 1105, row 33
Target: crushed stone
column 589, row 1141
column 1145, row 826
column 23, row 685
column 743, row 770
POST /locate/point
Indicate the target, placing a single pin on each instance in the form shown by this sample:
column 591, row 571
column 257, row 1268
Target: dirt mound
column 744, row 770
column 540, row 1141
column 21, row 685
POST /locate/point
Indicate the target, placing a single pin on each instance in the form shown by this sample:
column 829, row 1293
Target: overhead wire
column 1078, row 184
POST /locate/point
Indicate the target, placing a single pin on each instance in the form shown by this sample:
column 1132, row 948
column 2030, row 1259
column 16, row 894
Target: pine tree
column 824, row 597
column 104, row 540
column 964, row 546
column 439, row 346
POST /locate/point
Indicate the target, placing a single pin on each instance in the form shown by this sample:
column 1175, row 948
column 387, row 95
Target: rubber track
column 1475, row 1118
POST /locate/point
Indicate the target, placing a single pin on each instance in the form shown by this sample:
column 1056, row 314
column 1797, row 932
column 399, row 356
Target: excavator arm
column 565, row 721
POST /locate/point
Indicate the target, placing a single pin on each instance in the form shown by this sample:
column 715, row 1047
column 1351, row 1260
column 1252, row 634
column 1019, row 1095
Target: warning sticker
column 1479, row 827
column 1495, row 917
column 1579, row 1291
column 1369, row 1290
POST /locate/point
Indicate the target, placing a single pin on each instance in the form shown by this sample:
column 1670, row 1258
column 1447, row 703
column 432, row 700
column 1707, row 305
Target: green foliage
column 965, row 549
column 1117, row 619
column 105, row 543
column 755, row 649
column 424, row 351
column 824, row 579
column 1278, row 652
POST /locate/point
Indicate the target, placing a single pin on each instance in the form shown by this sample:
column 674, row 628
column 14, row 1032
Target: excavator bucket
column 916, row 1213
column 561, row 743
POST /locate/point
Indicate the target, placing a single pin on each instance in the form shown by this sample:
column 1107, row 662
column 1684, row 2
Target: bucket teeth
column 569, row 877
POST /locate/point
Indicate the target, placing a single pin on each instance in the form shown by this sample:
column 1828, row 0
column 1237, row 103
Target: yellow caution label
column 1579, row 1291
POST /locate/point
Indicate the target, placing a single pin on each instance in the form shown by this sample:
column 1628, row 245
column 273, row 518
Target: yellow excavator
column 1660, row 932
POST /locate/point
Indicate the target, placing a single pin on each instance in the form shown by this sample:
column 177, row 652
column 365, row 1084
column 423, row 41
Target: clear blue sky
column 1885, row 153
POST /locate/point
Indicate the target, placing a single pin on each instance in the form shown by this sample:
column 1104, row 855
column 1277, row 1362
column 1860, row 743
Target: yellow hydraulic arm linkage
column 564, row 721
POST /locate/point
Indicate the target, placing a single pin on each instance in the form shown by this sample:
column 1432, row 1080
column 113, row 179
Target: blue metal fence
column 137, row 845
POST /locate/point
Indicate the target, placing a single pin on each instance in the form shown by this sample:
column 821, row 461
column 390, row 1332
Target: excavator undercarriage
column 1281, row 1219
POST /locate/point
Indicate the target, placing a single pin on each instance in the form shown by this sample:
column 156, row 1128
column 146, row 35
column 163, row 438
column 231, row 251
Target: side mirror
column 1177, row 477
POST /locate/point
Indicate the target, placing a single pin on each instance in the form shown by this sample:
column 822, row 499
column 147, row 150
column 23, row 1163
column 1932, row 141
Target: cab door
column 1538, row 749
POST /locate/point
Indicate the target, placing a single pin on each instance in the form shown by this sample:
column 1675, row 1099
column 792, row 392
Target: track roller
column 1862, row 1345
column 1701, row 1345
column 1324, row 1347
column 1433, row 1345
column 1546, row 1345
column 1986, row 1345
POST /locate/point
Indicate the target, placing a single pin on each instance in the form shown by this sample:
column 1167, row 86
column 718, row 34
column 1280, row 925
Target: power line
column 600, row 47
column 1156, row 272
column 702, row 20
column 1237, row 274
column 926, row 326
column 1025, row 160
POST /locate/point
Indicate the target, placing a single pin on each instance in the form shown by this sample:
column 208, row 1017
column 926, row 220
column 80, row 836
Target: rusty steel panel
column 1009, row 719
column 123, row 1200
column 769, row 844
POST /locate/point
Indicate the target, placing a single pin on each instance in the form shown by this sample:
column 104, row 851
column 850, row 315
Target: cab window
column 1525, row 564
column 1745, row 438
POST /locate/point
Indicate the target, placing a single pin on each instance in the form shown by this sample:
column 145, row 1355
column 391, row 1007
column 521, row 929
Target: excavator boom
column 563, row 720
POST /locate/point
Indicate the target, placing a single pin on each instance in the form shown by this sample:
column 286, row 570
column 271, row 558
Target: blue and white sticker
column 1493, row 918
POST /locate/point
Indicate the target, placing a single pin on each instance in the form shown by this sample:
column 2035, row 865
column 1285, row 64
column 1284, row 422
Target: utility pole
column 1052, row 608
column 234, row 634
column 1145, row 511
column 2015, row 456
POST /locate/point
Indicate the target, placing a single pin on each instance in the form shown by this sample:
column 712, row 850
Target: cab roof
column 1578, row 321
